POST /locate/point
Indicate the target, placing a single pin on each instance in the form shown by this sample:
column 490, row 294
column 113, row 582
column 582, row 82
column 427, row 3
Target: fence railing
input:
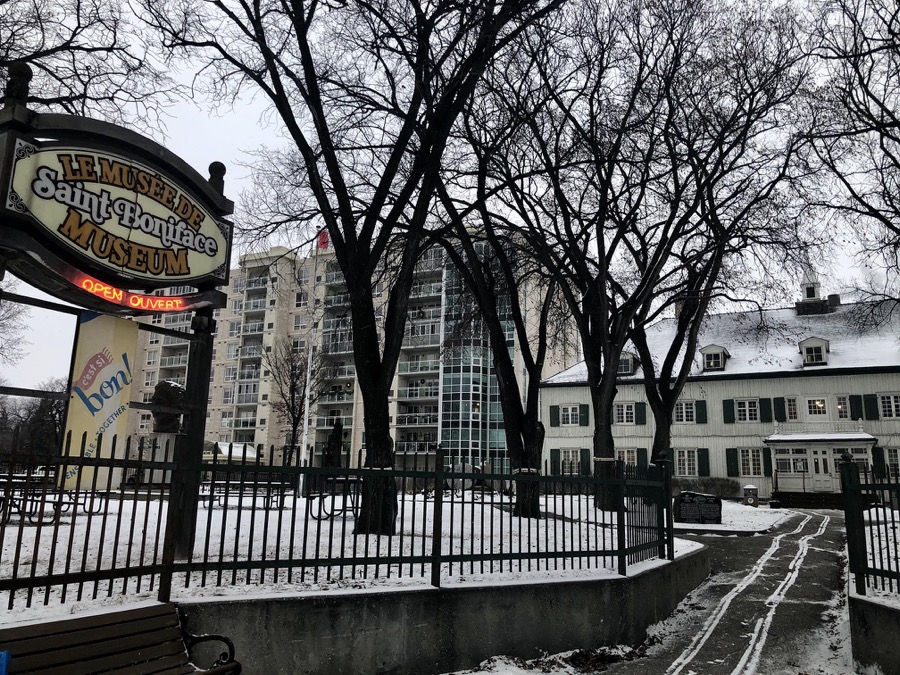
column 872, row 522
column 95, row 523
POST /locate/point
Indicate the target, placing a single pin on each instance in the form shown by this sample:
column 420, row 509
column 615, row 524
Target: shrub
column 724, row 488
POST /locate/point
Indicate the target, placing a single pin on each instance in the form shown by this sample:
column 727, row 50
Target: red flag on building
column 323, row 239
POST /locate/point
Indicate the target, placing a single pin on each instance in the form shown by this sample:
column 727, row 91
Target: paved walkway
column 773, row 605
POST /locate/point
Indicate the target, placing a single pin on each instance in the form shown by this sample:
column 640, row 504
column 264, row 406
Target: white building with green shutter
column 774, row 399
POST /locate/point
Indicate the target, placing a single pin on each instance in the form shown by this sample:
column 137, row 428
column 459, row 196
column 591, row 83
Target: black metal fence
column 99, row 521
column 872, row 521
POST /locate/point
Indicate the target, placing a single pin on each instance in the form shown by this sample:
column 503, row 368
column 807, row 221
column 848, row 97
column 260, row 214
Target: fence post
column 437, row 523
column 665, row 464
column 620, row 517
column 853, row 521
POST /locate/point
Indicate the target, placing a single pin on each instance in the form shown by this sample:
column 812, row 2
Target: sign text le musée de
column 118, row 215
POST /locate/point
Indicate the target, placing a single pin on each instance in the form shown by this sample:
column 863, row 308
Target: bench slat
column 149, row 628
column 97, row 621
column 101, row 656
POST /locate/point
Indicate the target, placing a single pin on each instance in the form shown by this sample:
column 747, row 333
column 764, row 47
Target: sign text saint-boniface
column 117, row 215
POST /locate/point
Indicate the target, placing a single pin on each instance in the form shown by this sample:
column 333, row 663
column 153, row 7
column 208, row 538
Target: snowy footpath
column 774, row 604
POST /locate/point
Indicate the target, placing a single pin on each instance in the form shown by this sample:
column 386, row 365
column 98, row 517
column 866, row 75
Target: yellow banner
column 101, row 391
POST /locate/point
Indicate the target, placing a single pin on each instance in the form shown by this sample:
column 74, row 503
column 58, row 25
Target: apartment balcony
column 418, row 341
column 344, row 372
column 417, row 419
column 411, row 447
column 337, row 300
column 172, row 341
column 425, row 314
column 227, row 423
column 430, row 263
column 176, row 380
column 418, row 392
column 334, row 278
column 251, row 352
column 426, row 290
column 244, row 423
column 337, row 347
column 256, row 282
column 430, row 366
column 173, row 361
column 178, row 321
column 245, row 399
column 319, row 448
column 254, row 305
column 248, row 375
column 253, row 328
column 337, row 397
column 341, row 323
column 329, row 422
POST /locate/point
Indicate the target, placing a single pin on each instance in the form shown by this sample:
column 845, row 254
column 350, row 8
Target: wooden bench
column 143, row 640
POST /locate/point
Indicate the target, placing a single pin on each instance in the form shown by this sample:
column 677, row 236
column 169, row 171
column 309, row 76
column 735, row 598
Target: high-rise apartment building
column 445, row 391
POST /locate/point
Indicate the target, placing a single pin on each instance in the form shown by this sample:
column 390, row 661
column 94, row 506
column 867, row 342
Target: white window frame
column 152, row 357
column 146, row 422
column 230, row 374
column 842, row 406
column 623, row 413
column 892, row 458
column 153, row 339
column 627, row 455
column 685, row 412
column 150, row 379
column 751, row 462
column 570, row 461
column 301, row 299
column 792, row 410
column 816, row 411
column 686, row 462
column 626, row 365
column 746, row 410
column 714, row 361
column 889, row 405
column 814, row 355
column 568, row 415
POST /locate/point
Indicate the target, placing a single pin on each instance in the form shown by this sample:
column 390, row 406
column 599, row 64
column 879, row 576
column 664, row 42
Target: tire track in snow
column 718, row 613
column 750, row 659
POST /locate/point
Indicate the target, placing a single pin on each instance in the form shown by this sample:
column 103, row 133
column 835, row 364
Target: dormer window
column 627, row 364
column 814, row 351
column 714, row 357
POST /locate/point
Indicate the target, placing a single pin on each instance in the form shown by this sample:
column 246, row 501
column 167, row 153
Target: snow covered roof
column 767, row 342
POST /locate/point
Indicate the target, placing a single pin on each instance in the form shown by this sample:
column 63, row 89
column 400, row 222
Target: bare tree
column 40, row 421
column 367, row 93
column 13, row 324
column 87, row 58
column 288, row 364
column 630, row 153
column 857, row 132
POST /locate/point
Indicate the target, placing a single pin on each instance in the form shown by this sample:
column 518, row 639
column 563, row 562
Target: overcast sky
column 197, row 138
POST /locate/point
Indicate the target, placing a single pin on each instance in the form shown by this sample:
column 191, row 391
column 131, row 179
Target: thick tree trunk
column 528, row 491
column 605, row 496
column 378, row 507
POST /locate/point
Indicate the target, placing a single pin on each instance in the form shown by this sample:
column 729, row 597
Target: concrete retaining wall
column 874, row 628
column 433, row 630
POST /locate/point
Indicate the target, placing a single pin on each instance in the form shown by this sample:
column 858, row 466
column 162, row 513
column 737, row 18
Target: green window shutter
column 640, row 413
column 879, row 469
column 870, row 404
column 765, row 410
column 702, row 461
column 780, row 409
column 555, row 462
column 728, row 411
column 731, row 462
column 642, row 458
column 767, row 461
column 586, row 462
column 856, row 407
column 554, row 415
column 584, row 415
column 700, row 412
